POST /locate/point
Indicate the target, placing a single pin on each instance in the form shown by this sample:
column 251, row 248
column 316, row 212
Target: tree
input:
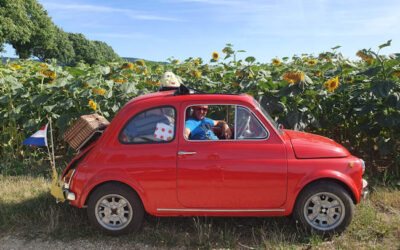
column 61, row 48
column 43, row 31
column 91, row 51
column 105, row 52
column 26, row 26
column 15, row 25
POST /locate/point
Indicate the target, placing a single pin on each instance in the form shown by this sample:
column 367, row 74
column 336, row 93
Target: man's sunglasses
column 202, row 109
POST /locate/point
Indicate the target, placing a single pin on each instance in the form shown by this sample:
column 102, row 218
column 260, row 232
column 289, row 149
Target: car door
column 240, row 173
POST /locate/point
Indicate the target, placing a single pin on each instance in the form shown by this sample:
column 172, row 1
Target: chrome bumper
column 364, row 190
column 69, row 195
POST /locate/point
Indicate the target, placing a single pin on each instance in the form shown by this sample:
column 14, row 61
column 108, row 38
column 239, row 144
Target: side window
column 209, row 122
column 156, row 125
column 248, row 126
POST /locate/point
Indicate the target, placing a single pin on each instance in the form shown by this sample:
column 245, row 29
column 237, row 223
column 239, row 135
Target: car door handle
column 186, row 153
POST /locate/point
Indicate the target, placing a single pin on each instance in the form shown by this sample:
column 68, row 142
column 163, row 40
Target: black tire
column 324, row 207
column 115, row 209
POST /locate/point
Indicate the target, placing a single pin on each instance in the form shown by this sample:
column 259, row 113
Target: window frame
column 148, row 142
column 235, row 124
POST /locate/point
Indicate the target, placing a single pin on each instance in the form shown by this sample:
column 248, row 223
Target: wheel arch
column 116, row 182
column 328, row 180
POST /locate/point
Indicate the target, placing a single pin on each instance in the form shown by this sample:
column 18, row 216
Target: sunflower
column 365, row 57
column 332, row 84
column 43, row 65
column 293, row 77
column 16, row 66
column 312, row 62
column 119, row 80
column 239, row 73
column 139, row 62
column 276, row 62
column 93, row 105
column 225, row 51
column 99, row 91
column 396, row 74
column 127, row 65
column 195, row 73
column 215, row 55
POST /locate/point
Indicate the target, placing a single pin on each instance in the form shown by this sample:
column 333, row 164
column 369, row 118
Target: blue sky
column 160, row 29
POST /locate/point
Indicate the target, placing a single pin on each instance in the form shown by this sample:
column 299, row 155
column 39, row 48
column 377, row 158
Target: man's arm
column 187, row 132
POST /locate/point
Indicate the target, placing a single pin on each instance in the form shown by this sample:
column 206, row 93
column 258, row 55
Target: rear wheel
column 115, row 209
column 324, row 207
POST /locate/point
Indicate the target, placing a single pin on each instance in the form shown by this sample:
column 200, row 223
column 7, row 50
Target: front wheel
column 115, row 209
column 325, row 207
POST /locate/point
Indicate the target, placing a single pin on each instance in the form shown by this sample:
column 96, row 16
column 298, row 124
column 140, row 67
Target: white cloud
column 139, row 15
column 119, row 35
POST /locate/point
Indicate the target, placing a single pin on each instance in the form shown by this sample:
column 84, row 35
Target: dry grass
column 27, row 209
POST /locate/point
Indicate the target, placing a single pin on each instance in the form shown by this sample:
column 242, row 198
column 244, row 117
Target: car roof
column 161, row 95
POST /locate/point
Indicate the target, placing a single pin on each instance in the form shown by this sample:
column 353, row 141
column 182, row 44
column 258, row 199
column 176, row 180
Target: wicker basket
column 83, row 129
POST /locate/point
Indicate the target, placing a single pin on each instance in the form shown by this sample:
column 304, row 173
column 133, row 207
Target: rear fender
column 78, row 158
column 105, row 177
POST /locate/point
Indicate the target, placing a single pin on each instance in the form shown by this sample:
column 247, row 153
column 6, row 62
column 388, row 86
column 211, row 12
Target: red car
column 146, row 162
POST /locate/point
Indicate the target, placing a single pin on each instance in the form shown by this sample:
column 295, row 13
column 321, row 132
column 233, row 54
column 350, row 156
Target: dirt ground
column 16, row 243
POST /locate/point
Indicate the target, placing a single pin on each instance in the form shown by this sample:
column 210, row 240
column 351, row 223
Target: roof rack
column 183, row 90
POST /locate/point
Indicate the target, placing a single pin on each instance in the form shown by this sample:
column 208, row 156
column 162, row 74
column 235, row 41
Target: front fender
column 320, row 175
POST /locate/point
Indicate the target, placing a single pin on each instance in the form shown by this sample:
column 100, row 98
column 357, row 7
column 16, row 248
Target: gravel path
column 16, row 243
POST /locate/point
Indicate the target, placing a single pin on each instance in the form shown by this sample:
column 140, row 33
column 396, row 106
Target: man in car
column 199, row 127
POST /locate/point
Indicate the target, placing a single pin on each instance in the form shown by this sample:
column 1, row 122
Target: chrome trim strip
column 235, row 126
column 218, row 210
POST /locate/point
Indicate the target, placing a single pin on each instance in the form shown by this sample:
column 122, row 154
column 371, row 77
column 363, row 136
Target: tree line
column 26, row 26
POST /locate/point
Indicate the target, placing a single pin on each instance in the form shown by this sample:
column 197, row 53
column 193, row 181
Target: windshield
column 270, row 119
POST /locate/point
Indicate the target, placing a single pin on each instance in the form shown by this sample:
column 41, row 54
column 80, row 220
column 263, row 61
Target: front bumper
column 364, row 190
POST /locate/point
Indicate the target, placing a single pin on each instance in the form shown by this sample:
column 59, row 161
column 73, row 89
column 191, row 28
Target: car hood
column 309, row 146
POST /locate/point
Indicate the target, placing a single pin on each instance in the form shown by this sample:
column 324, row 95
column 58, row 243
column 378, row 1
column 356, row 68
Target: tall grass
column 27, row 209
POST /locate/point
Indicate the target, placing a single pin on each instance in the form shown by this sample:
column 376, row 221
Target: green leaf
column 336, row 47
column 292, row 119
column 129, row 87
column 385, row 146
column 49, row 108
column 62, row 122
column 105, row 70
column 40, row 99
column 4, row 99
column 115, row 108
column 363, row 110
column 385, row 44
column 381, row 88
column 373, row 71
column 30, row 125
column 393, row 100
column 250, row 59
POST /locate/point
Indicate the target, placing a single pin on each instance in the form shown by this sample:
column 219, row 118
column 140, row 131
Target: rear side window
column 156, row 125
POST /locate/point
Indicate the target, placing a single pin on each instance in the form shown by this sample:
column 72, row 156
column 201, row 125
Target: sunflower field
column 354, row 102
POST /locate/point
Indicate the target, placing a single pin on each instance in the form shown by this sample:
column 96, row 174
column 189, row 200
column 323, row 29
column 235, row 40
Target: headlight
column 363, row 165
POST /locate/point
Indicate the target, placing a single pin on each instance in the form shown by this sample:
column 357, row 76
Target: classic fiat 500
column 172, row 154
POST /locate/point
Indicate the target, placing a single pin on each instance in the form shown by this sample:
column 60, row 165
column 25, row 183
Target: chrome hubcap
column 113, row 212
column 324, row 211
